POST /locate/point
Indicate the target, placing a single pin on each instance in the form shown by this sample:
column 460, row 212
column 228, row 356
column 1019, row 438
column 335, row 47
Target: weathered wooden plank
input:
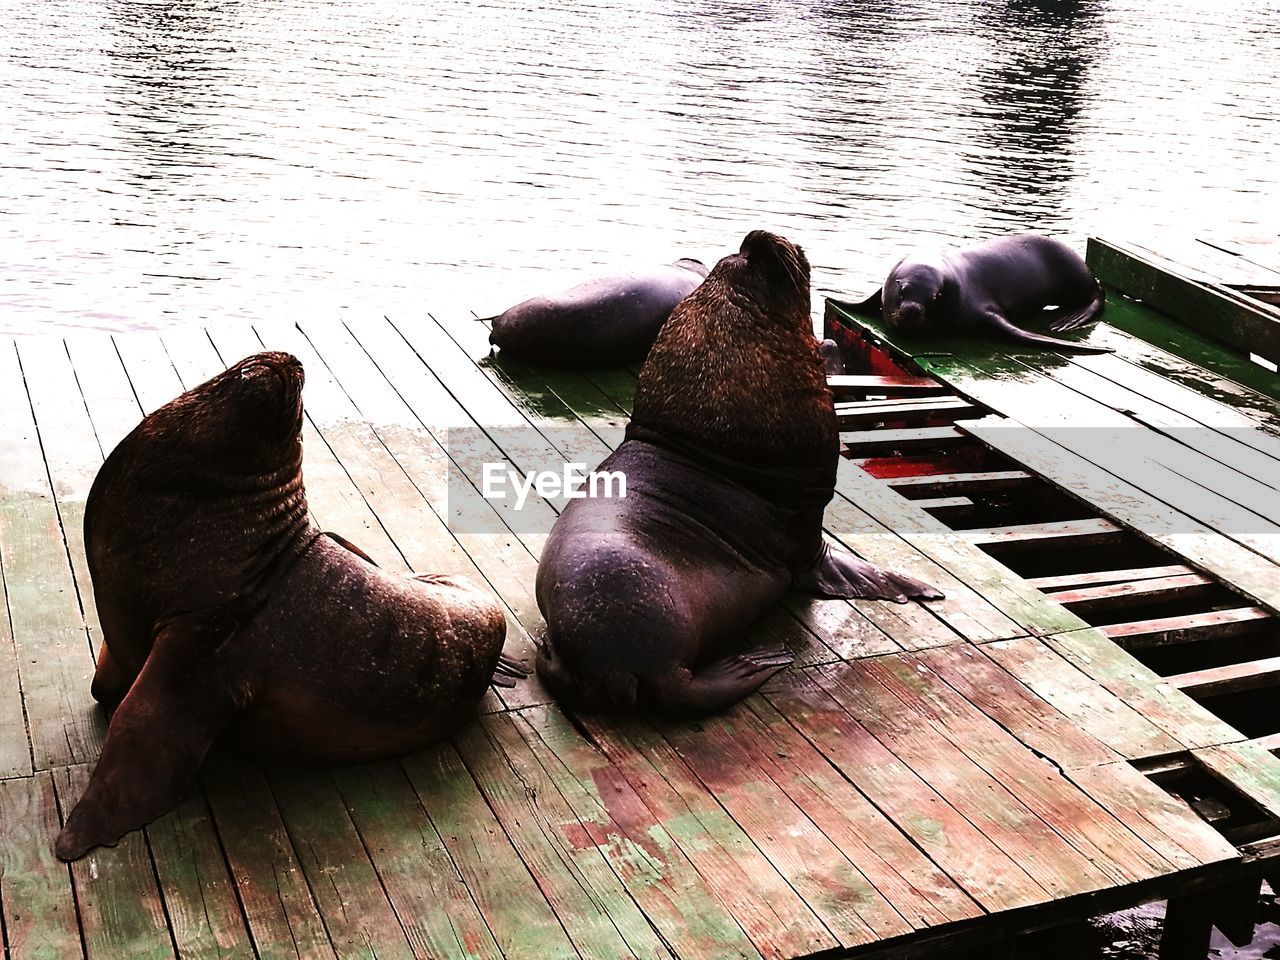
column 1092, row 707
column 1080, row 844
column 1151, row 695
column 1095, row 577
column 1189, row 628
column 54, row 656
column 1024, row 606
column 1229, row 678
column 946, row 506
column 778, row 920
column 273, row 892
column 1108, row 596
column 117, row 899
column 1248, row 768
column 199, row 897
column 844, row 385
column 664, row 883
column 36, row 898
column 1207, row 307
column 965, row 852
column 1045, row 536
column 507, row 894
column 15, row 738
column 868, row 443
column 868, row 412
column 983, row 481
column 429, row 896
column 720, row 751
column 357, row 915
column 593, row 905
column 1201, row 547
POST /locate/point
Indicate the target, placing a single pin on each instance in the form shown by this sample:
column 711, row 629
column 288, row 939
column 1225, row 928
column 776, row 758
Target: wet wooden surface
column 939, row 770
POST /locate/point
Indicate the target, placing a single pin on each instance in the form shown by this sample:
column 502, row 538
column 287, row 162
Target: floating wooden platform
column 952, row 772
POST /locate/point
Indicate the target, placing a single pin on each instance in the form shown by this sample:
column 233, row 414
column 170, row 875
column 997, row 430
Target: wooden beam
column 1034, row 536
column 987, row 481
column 1245, row 324
column 1232, row 678
column 873, row 442
column 849, row 385
column 1113, row 595
column 1072, row 580
column 947, row 506
column 868, row 412
column 1166, row 631
column 1270, row 742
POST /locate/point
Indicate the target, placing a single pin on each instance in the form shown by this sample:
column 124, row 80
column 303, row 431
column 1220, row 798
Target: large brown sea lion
column 730, row 459
column 225, row 609
column 994, row 287
column 606, row 322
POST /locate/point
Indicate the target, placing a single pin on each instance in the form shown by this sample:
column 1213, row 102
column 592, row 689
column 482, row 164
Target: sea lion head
column 247, row 420
column 916, row 295
column 772, row 272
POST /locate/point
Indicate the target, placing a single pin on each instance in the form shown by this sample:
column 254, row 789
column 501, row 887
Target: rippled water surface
column 191, row 160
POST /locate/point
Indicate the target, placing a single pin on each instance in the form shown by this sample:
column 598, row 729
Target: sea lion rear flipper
column 841, row 575
column 348, row 545
column 1079, row 318
column 1002, row 325
column 156, row 740
column 717, row 685
column 508, row 672
column 872, row 304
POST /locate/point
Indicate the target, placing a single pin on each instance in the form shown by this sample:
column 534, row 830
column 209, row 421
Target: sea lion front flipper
column 348, row 545
column 840, row 575
column 1001, row 324
column 157, row 738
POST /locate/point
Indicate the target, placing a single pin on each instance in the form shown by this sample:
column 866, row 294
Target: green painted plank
column 15, row 739
column 593, row 905
column 516, row 910
column 1248, row 326
column 1250, row 768
column 677, row 900
column 118, row 901
column 962, row 850
column 55, row 660
column 272, row 889
column 357, row 914
column 36, row 898
column 428, row 894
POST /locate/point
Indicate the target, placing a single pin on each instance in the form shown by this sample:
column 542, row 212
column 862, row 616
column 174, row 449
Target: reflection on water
column 188, row 160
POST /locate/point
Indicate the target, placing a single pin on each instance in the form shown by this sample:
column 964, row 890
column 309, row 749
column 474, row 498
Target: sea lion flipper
column 348, row 545
column 155, row 742
column 1000, row 323
column 840, row 575
column 1082, row 317
column 873, row 304
column 717, row 685
column 508, row 672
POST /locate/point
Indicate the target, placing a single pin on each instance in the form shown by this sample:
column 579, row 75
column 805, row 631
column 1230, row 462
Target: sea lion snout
column 909, row 316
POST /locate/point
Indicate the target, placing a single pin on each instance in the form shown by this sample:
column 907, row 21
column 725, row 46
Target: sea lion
column 606, row 322
column 224, row 609
column 997, row 285
column 730, row 459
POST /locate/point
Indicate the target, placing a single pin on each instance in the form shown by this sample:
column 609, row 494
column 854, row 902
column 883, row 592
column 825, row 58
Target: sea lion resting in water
column 224, row 608
column 730, row 459
column 606, row 322
column 993, row 286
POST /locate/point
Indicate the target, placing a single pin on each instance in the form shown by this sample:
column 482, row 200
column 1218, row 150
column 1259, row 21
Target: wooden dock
column 959, row 771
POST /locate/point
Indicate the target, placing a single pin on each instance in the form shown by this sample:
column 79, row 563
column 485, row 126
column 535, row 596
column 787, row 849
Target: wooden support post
column 1188, row 928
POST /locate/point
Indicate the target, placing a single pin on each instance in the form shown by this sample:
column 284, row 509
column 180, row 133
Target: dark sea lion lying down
column 606, row 322
column 225, row 609
column 730, row 459
column 994, row 287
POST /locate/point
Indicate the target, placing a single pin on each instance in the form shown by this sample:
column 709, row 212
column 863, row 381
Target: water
column 192, row 160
